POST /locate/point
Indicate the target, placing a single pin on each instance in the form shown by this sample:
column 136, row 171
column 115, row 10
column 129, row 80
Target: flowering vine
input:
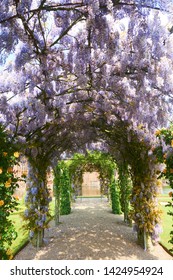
column 146, row 187
column 8, row 201
column 37, row 202
column 62, row 190
column 125, row 188
column 97, row 65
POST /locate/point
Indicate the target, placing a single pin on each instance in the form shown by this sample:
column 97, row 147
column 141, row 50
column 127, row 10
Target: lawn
column 22, row 237
column 167, row 221
column 167, row 227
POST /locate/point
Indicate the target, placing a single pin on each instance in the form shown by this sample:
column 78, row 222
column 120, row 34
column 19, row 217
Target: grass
column 167, row 221
column 22, row 237
column 167, row 227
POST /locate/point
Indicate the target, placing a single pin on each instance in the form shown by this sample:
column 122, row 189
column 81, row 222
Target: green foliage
column 57, row 192
column 115, row 199
column 65, row 203
column 125, row 187
column 8, row 200
column 62, row 190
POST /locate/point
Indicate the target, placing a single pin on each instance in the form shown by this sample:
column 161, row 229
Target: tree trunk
column 144, row 239
column 37, row 240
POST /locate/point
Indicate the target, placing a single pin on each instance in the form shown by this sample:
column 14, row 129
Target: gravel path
column 91, row 232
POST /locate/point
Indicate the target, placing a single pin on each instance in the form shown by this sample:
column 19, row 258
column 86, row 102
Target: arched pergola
column 83, row 73
column 135, row 154
column 89, row 162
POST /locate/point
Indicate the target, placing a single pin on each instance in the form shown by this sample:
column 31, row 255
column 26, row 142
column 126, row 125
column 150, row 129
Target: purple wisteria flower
column 34, row 191
column 26, row 213
column 31, row 234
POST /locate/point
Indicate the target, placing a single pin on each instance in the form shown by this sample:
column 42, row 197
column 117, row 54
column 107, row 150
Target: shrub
column 8, row 201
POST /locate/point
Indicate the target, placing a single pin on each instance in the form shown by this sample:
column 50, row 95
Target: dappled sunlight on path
column 91, row 232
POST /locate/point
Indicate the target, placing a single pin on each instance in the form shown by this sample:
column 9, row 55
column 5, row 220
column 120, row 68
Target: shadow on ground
column 91, row 232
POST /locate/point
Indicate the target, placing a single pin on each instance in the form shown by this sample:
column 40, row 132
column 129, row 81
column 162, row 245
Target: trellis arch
column 93, row 91
column 143, row 169
column 89, row 162
column 104, row 165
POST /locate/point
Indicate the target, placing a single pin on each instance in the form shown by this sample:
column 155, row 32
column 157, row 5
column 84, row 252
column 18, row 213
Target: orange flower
column 16, row 154
column 170, row 194
column 10, row 170
column 1, row 170
column 1, row 202
column 24, row 173
column 157, row 132
column 16, row 197
column 8, row 183
column 164, row 171
column 5, row 154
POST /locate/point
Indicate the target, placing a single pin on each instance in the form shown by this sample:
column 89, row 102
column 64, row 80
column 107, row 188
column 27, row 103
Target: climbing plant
column 8, row 200
column 62, row 190
column 144, row 173
column 65, row 198
column 125, row 185
column 37, row 199
column 115, row 198
column 57, row 192
column 137, row 154
column 121, row 56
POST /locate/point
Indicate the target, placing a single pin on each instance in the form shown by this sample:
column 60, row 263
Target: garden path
column 91, row 232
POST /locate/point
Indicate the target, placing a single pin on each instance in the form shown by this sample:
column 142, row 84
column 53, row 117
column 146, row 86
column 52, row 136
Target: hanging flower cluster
column 37, row 201
column 146, row 187
column 147, row 214
column 164, row 154
column 8, row 201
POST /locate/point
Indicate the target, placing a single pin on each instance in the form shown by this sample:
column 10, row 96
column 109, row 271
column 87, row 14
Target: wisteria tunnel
column 86, row 85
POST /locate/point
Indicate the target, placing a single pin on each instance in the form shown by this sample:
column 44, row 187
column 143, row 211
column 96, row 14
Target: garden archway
column 75, row 88
column 144, row 172
column 89, row 162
